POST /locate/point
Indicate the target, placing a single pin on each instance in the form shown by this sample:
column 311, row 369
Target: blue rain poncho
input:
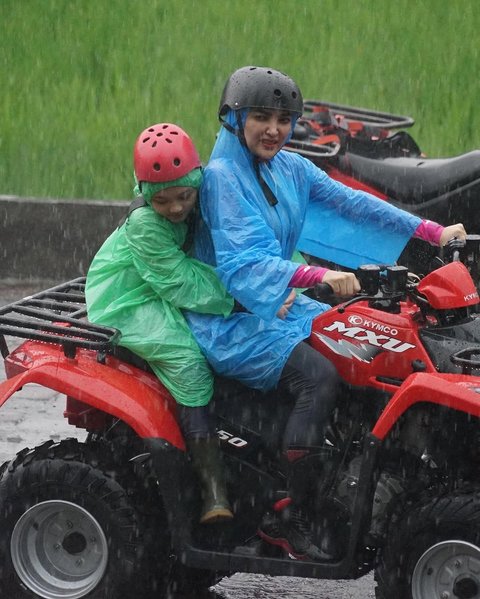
column 251, row 243
column 139, row 282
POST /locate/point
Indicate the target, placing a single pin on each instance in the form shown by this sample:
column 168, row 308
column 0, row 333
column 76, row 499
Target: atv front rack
column 56, row 315
column 468, row 358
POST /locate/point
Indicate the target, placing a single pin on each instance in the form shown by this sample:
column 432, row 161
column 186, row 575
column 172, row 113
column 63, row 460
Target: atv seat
column 414, row 180
column 126, row 355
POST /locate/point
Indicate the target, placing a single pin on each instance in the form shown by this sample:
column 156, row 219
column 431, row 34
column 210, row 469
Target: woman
column 142, row 278
column 254, row 202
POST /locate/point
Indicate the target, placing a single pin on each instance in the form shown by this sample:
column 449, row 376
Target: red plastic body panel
column 128, row 393
column 376, row 349
column 367, row 345
column 450, row 286
column 455, row 391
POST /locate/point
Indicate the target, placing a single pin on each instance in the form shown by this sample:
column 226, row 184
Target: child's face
column 175, row 203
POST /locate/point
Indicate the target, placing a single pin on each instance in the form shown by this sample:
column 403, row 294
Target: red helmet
column 164, row 152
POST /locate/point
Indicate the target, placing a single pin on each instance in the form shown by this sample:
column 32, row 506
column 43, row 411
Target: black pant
column 197, row 422
column 313, row 381
column 310, row 378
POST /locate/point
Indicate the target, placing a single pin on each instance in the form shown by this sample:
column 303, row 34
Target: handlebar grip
column 323, row 291
column 453, row 247
column 455, row 243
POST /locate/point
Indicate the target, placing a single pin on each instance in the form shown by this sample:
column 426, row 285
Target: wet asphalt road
column 35, row 414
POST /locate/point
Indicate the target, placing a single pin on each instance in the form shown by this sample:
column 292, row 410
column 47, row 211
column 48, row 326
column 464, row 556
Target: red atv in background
column 117, row 515
column 369, row 150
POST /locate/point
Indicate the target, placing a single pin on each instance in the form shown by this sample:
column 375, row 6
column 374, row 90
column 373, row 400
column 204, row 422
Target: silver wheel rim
column 448, row 570
column 59, row 550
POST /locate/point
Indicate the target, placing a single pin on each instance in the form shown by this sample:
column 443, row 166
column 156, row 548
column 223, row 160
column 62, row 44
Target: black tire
column 68, row 528
column 434, row 551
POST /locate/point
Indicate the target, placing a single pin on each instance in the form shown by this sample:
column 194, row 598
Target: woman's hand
column 452, row 231
column 342, row 283
column 287, row 304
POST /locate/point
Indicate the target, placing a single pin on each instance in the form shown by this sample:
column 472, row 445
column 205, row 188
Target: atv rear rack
column 327, row 148
column 326, row 130
column 56, row 315
column 372, row 118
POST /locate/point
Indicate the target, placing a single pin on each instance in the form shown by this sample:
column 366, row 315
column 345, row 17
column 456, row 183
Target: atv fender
column 128, row 393
column 455, row 391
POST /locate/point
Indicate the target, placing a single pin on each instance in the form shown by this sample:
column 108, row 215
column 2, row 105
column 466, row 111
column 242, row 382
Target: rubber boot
column 207, row 463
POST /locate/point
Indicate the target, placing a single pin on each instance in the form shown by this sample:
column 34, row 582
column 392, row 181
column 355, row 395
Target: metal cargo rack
column 314, row 150
column 372, row 118
column 57, row 315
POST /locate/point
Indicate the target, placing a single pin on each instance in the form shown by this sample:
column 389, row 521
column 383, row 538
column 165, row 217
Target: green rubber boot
column 207, row 463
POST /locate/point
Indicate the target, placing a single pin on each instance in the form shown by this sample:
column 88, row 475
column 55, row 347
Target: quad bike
column 117, row 515
column 369, row 150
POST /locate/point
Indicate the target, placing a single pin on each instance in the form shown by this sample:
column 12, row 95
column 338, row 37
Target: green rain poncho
column 139, row 282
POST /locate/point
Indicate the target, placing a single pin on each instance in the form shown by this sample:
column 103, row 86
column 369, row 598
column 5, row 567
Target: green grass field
column 79, row 79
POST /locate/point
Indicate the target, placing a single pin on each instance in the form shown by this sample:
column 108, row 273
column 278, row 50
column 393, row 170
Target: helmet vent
column 145, row 140
column 173, row 132
column 294, row 94
column 169, row 141
column 154, row 144
column 159, row 134
column 156, row 166
column 277, row 93
column 177, row 161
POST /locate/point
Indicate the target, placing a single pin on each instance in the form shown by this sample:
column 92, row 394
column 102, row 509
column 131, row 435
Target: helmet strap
column 267, row 192
column 239, row 131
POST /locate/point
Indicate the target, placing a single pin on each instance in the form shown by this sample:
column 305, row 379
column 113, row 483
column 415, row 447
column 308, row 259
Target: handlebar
column 386, row 286
column 323, row 292
column 396, row 277
column 452, row 249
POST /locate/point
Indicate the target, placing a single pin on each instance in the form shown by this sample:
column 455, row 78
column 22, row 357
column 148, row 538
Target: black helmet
column 260, row 87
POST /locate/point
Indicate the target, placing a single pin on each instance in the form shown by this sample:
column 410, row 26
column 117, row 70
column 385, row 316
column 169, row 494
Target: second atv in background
column 369, row 150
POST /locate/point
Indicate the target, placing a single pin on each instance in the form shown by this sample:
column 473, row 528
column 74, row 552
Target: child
column 142, row 278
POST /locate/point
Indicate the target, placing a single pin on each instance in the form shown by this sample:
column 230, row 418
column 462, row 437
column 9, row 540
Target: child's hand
column 287, row 304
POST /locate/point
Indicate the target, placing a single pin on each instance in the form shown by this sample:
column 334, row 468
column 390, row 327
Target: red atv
column 370, row 150
column 117, row 515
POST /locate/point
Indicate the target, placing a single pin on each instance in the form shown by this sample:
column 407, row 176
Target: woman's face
column 266, row 131
column 175, row 203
